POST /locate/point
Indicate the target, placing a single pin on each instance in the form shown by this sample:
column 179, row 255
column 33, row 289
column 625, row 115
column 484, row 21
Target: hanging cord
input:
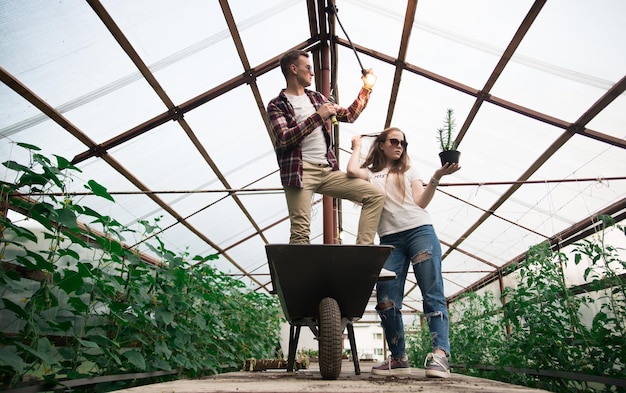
column 332, row 10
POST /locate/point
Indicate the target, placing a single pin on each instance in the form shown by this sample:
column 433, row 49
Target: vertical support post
column 329, row 213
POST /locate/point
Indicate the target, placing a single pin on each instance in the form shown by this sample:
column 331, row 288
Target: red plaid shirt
column 288, row 134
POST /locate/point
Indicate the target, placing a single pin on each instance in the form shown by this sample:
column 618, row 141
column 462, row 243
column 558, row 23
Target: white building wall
column 369, row 341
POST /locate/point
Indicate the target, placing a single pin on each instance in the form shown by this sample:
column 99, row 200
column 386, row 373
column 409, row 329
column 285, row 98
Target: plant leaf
column 20, row 231
column 87, row 343
column 165, row 316
column 10, row 357
column 64, row 163
column 71, row 281
column 99, row 190
column 67, row 217
column 19, row 311
column 135, row 358
column 28, row 146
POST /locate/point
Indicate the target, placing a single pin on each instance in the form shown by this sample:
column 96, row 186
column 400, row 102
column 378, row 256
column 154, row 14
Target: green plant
column 477, row 320
column 446, row 133
column 419, row 342
column 75, row 302
column 544, row 325
column 605, row 272
column 547, row 331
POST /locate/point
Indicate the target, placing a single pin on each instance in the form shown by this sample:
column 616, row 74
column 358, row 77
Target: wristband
column 434, row 182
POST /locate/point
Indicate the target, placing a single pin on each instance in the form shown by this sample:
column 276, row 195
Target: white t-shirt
column 399, row 214
column 314, row 145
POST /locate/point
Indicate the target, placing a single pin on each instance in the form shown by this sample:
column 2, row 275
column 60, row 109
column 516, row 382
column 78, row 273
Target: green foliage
column 547, row 332
column 543, row 324
column 479, row 328
column 418, row 341
column 91, row 306
column 607, row 331
column 446, row 133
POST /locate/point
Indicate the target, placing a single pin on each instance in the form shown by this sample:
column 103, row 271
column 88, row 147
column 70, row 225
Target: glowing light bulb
column 370, row 79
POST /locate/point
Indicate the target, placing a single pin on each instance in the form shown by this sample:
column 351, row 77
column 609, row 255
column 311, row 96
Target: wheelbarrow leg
column 355, row 355
column 294, row 336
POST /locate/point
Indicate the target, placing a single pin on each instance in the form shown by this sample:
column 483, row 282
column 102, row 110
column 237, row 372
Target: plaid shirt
column 288, row 134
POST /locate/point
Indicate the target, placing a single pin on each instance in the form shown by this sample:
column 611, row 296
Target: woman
column 407, row 226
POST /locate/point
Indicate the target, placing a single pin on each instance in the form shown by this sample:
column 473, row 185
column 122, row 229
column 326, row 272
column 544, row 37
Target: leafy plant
column 547, row 331
column 418, row 341
column 446, row 133
column 607, row 333
column 478, row 320
column 77, row 303
column 544, row 325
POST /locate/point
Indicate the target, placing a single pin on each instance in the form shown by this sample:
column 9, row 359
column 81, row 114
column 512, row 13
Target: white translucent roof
column 170, row 97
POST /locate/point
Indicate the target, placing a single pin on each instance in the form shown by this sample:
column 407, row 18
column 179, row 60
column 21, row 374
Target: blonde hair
column 376, row 160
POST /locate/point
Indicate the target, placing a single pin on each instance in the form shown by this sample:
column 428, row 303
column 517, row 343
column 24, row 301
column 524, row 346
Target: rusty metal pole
column 330, row 214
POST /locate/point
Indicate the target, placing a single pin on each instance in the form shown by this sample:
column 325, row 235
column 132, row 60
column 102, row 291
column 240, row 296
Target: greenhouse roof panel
column 164, row 105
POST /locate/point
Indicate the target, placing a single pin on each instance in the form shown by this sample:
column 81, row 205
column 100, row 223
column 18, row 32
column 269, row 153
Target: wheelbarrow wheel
column 330, row 338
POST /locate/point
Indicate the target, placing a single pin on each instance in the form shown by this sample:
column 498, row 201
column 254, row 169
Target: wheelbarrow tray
column 303, row 274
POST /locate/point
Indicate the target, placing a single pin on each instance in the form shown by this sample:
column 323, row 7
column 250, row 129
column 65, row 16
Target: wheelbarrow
column 325, row 287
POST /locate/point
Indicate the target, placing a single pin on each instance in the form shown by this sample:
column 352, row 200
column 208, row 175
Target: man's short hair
column 290, row 58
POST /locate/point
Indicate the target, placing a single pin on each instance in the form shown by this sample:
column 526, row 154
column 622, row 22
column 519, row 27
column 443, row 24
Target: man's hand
column 327, row 110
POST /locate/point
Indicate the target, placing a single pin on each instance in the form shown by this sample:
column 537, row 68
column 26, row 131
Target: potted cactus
column 447, row 143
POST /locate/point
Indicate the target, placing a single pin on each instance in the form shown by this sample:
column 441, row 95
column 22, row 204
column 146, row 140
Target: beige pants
column 325, row 181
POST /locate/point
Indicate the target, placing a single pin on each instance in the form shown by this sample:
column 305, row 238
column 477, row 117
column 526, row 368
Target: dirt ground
column 310, row 380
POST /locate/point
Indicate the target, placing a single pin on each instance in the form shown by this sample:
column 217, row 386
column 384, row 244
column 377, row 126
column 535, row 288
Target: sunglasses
column 395, row 142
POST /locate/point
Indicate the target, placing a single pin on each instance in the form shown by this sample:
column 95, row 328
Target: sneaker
column 393, row 367
column 437, row 366
column 385, row 275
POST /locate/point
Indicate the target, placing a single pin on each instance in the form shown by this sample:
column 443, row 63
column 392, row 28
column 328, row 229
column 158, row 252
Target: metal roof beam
column 409, row 18
column 615, row 91
column 185, row 107
column 564, row 238
column 504, row 60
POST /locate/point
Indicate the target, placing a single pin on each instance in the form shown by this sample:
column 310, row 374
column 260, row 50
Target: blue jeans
column 418, row 247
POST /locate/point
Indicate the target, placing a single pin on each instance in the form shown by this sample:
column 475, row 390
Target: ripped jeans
column 420, row 248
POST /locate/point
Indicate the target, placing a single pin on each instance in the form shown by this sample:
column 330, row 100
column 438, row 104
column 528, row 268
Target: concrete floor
column 310, row 380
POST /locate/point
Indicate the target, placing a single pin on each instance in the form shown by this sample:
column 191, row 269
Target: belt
column 326, row 165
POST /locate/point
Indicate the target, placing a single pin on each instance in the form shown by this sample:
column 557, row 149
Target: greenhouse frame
column 159, row 111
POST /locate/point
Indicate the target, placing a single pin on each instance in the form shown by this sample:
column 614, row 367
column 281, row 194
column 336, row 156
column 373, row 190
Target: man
column 299, row 120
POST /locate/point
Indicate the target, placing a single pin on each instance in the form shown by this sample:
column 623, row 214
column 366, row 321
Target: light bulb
column 370, row 79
